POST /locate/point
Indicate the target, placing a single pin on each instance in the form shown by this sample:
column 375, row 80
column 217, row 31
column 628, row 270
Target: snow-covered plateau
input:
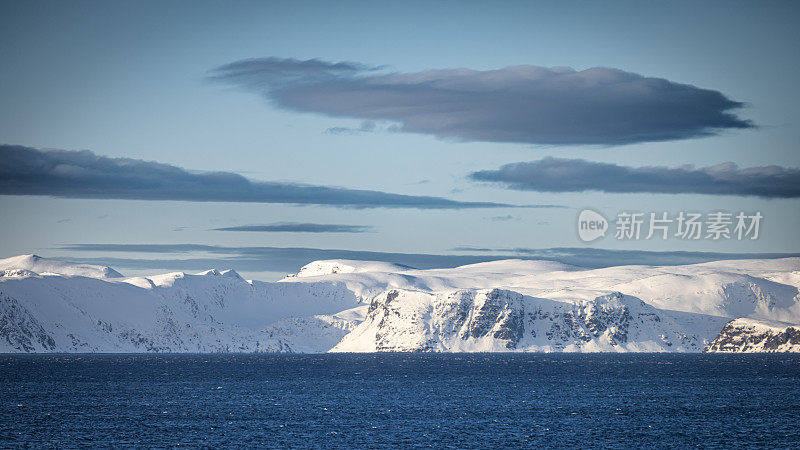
column 359, row 306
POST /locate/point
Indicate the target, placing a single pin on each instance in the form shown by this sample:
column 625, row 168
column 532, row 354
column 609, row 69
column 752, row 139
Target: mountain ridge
column 358, row 306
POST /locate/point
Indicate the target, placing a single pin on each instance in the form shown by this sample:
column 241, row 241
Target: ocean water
column 400, row 400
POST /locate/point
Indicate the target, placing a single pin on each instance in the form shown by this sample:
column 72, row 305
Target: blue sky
column 132, row 80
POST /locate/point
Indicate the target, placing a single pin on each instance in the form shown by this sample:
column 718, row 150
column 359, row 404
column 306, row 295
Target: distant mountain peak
column 39, row 265
column 229, row 273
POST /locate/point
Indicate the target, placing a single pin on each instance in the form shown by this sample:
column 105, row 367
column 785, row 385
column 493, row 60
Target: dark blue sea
column 400, row 400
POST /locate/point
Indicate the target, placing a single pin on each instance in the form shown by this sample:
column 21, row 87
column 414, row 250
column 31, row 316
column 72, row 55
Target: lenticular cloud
column 577, row 175
column 83, row 174
column 522, row 104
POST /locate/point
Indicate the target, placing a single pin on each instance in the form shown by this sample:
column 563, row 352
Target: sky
column 176, row 135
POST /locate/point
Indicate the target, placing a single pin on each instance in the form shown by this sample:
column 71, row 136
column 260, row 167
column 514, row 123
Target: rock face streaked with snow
column 356, row 306
column 755, row 336
column 492, row 320
column 208, row 312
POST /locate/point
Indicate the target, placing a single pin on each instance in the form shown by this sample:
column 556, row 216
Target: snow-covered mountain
column 756, row 336
column 356, row 306
column 490, row 320
column 19, row 265
column 208, row 312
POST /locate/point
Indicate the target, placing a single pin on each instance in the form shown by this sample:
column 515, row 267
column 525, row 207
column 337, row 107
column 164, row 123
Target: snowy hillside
column 755, row 336
column 177, row 312
column 33, row 263
column 499, row 320
column 356, row 306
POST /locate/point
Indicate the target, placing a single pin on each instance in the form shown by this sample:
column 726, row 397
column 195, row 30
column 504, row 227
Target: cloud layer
column 577, row 175
column 294, row 227
column 290, row 259
column 523, row 104
column 83, row 174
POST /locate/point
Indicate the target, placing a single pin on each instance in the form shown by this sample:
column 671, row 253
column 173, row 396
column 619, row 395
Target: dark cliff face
column 462, row 315
column 742, row 337
column 468, row 319
column 790, row 336
column 584, row 322
column 20, row 330
column 502, row 312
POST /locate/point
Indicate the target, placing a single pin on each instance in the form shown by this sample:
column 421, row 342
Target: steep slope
column 754, row 336
column 209, row 312
column 502, row 320
column 718, row 293
column 766, row 289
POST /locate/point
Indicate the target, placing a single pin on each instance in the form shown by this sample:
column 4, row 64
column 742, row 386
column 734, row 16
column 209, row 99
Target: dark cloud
column 524, row 104
column 294, row 227
column 577, row 175
column 269, row 72
column 83, row 174
column 290, row 259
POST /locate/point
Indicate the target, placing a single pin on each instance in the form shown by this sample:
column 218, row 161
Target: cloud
column 83, row 174
column 504, row 218
column 578, row 175
column 599, row 257
column 522, row 104
column 340, row 130
column 290, row 259
column 366, row 126
column 294, row 227
column 273, row 259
